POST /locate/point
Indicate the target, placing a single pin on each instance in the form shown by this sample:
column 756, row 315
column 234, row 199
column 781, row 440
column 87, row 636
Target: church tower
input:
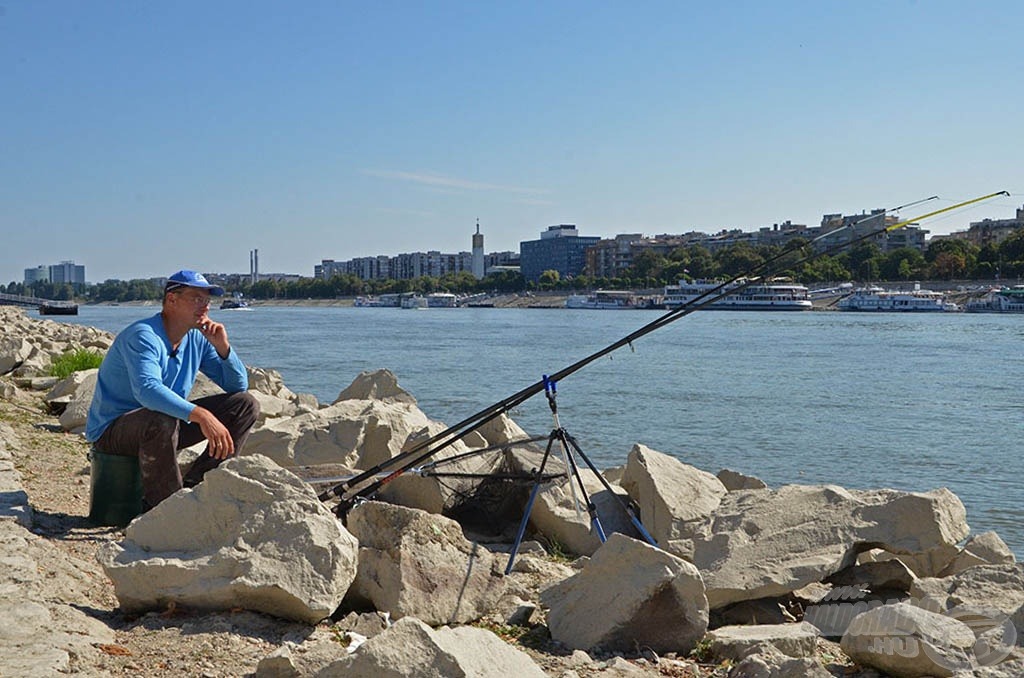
column 478, row 253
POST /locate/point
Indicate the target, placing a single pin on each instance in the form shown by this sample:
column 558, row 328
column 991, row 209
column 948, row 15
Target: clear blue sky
column 137, row 138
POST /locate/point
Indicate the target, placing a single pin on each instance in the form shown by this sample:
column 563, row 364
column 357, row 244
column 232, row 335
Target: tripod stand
column 570, row 451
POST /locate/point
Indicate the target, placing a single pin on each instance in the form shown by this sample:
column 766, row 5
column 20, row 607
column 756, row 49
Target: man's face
column 190, row 303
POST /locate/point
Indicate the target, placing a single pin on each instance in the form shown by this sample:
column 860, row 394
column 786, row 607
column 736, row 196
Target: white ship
column 414, row 302
column 612, row 300
column 384, row 300
column 442, row 300
column 758, row 296
column 879, row 299
column 1002, row 300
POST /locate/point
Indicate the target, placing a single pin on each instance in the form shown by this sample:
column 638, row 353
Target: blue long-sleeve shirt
column 140, row 371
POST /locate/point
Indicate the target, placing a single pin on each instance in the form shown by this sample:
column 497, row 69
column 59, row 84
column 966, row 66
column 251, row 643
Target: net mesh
column 493, row 500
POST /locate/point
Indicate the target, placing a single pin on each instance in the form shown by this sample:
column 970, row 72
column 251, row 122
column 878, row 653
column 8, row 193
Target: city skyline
column 142, row 138
column 327, row 265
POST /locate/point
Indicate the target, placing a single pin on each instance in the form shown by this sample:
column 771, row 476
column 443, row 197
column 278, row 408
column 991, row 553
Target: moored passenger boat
column 875, row 298
column 415, row 302
column 383, row 301
column 610, row 300
column 1002, row 300
column 758, row 296
column 442, row 300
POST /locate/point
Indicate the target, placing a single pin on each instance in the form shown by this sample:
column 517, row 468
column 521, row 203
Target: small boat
column 1001, row 300
column 757, row 296
column 58, row 308
column 608, row 300
column 875, row 298
column 235, row 303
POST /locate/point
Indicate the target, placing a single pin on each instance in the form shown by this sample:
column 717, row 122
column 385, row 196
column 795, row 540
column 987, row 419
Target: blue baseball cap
column 187, row 278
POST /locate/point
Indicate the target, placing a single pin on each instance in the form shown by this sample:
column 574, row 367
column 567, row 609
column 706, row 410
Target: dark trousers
column 156, row 438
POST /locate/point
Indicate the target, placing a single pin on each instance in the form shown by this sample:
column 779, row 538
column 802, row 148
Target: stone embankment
column 250, row 573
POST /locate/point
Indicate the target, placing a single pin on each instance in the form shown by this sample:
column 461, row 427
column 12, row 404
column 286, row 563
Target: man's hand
column 221, row 446
column 216, row 334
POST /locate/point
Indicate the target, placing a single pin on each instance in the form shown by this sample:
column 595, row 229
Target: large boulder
column 272, row 407
column 357, row 433
column 269, row 382
column 251, row 535
column 13, row 352
column 413, row 563
column 66, row 387
column 767, row 543
column 630, row 594
column 906, row 641
column 376, row 385
column 986, row 548
column 736, row 642
column 561, row 518
column 502, row 430
column 734, row 480
column 411, row 648
column 857, row 589
column 276, row 399
column 77, row 411
column 989, row 598
column 670, row 494
column 65, row 390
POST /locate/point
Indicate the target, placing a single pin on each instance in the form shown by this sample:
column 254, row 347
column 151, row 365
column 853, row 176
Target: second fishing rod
column 369, row 482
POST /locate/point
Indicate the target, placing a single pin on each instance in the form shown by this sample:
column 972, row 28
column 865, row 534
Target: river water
column 911, row 402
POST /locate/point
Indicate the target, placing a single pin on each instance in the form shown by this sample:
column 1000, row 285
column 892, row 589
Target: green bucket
column 115, row 491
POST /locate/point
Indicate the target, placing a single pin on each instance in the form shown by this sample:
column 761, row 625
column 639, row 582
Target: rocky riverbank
column 251, row 574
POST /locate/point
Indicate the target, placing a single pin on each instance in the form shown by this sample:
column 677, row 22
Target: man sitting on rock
column 140, row 406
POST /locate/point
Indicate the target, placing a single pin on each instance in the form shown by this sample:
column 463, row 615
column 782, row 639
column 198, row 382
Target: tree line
column 942, row 260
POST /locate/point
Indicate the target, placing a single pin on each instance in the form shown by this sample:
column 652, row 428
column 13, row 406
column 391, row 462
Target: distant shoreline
column 539, row 300
column 535, row 300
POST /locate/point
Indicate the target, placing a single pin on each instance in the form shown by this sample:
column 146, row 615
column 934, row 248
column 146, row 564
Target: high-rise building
column 560, row 248
column 67, row 272
column 64, row 272
column 39, row 273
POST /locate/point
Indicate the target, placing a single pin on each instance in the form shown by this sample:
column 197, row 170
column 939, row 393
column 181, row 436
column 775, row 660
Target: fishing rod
column 369, row 482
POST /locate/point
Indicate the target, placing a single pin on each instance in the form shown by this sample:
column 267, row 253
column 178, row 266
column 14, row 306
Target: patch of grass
column 557, row 551
column 75, row 361
column 536, row 636
column 506, row 632
column 702, row 653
